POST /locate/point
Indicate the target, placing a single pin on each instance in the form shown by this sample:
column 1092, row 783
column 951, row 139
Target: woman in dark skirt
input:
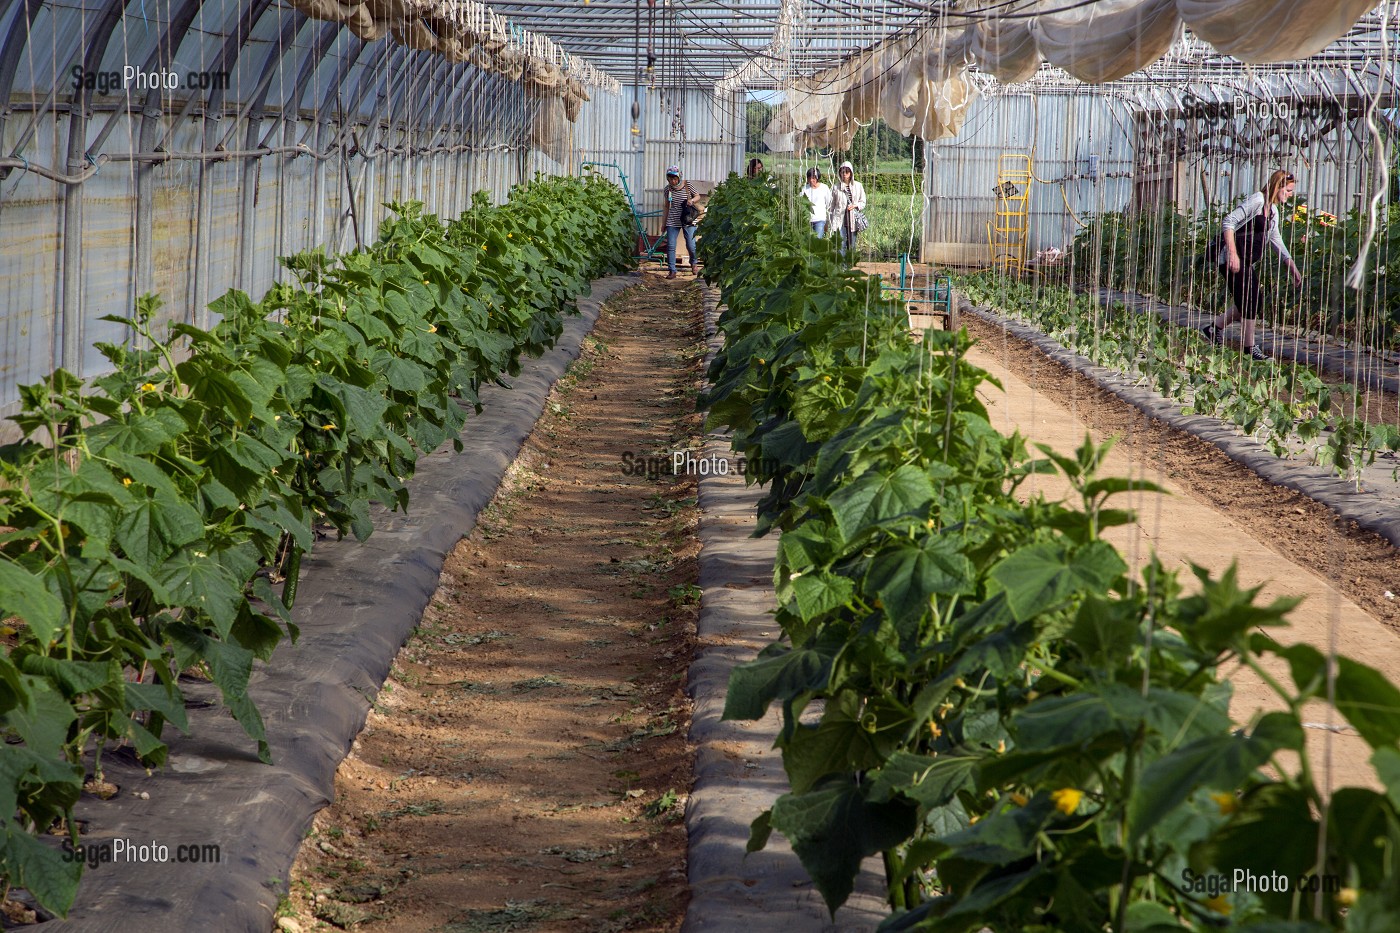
column 1245, row 231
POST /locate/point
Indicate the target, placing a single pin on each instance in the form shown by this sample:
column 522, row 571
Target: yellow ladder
column 1008, row 229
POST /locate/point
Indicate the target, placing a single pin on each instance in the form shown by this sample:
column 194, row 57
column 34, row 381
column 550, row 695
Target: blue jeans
column 671, row 233
column 848, row 239
column 819, row 227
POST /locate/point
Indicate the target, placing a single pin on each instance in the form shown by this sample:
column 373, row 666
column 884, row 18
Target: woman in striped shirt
column 678, row 194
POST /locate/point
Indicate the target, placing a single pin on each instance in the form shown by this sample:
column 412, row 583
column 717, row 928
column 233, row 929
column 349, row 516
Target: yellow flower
column 1219, row 904
column 1018, row 799
column 432, row 328
column 126, row 480
column 1067, row 799
column 1346, row 897
column 148, row 387
column 483, row 247
column 826, row 378
column 1001, row 747
column 761, row 361
column 1228, row 803
column 934, row 729
column 327, row 427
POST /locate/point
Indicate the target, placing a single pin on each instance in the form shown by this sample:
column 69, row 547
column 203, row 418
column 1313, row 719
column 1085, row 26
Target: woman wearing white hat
column 849, row 198
column 678, row 194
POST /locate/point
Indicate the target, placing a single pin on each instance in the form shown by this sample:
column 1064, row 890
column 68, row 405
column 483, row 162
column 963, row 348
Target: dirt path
column 526, row 767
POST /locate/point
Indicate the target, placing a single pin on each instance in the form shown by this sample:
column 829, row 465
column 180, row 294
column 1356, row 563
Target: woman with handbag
column 848, row 207
column 1245, row 231
column 682, row 212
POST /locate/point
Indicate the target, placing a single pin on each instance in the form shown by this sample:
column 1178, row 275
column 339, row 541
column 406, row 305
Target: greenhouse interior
column 603, row 465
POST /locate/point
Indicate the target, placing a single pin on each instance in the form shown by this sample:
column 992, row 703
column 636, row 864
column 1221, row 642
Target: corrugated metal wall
column 1087, row 159
column 155, row 213
column 712, row 147
column 1060, row 132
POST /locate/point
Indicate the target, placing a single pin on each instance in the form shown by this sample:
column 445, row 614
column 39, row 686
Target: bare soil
column 526, row 766
column 1361, row 564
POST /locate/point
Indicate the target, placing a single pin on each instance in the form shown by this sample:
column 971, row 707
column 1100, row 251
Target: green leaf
column 930, row 782
column 194, row 579
column 42, row 718
column 141, row 434
column 361, row 408
column 784, row 674
column 876, row 497
column 1364, row 696
column 1107, row 631
column 1223, row 612
column 1040, row 577
column 23, row 594
column 161, row 698
column 1005, row 836
column 1386, row 761
column 833, row 828
column 821, row 592
column 759, row 831
column 229, row 667
column 41, row 870
column 839, row 744
column 1221, row 762
column 906, row 575
column 74, row 677
column 216, row 389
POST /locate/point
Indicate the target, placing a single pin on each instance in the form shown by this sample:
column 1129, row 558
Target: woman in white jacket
column 818, row 195
column 848, row 197
column 1245, row 231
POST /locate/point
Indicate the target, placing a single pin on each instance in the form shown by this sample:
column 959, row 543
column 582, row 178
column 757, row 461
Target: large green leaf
column 1365, row 696
column 193, row 579
column 782, row 674
column 229, row 667
column 23, row 594
column 139, row 435
column 833, row 828
column 1041, row 577
column 41, row 869
column 931, row 782
column 42, row 719
column 906, row 575
column 1222, row 762
column 820, row 592
column 839, row 744
column 216, row 389
column 877, row 497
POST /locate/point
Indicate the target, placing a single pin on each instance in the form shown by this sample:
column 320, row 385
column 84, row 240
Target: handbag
column 859, row 222
column 690, row 214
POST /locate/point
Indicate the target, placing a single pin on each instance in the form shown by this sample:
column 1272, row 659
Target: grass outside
column 792, row 165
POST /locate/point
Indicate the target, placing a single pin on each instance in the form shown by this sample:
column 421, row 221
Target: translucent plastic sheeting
column 1260, row 31
column 1117, row 38
column 917, row 80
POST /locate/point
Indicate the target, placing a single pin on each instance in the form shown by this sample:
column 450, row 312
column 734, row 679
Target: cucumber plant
column 973, row 685
column 148, row 517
